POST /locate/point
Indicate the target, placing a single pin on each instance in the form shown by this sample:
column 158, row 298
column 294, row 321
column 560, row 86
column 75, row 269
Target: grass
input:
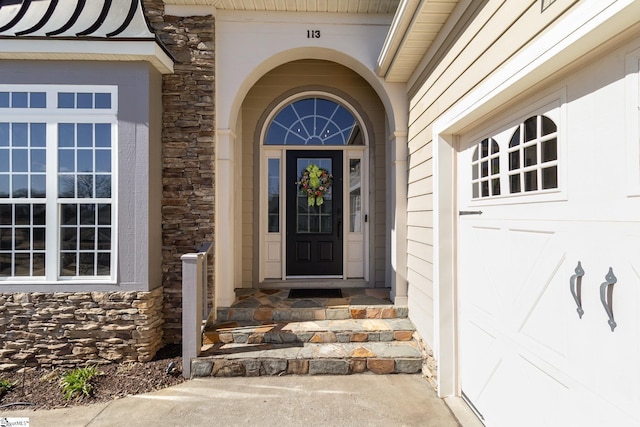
column 77, row 383
column 6, row 385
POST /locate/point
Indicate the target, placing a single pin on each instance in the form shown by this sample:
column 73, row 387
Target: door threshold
column 312, row 282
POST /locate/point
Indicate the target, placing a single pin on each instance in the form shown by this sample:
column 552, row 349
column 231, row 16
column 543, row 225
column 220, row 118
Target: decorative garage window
column 56, row 183
column 485, row 169
column 314, row 121
column 533, row 156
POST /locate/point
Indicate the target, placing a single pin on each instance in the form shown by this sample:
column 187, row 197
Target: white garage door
column 526, row 357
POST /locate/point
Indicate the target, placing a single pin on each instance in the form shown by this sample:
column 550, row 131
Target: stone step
column 296, row 358
column 312, row 311
column 319, row 331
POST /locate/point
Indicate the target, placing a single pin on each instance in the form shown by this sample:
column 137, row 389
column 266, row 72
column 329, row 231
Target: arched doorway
column 351, row 128
column 314, row 155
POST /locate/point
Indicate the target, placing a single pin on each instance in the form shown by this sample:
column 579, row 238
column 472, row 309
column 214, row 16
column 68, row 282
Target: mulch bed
column 41, row 387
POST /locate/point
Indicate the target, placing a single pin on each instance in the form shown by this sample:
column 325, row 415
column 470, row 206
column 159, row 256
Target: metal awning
column 46, row 24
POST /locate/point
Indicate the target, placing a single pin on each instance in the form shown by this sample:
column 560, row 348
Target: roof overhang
column 415, row 27
column 326, row 6
column 87, row 50
column 101, row 30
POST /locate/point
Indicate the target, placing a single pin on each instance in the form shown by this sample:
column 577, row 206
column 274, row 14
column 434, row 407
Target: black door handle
column 470, row 213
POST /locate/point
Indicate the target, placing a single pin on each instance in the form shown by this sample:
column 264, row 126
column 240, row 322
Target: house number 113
column 313, row 34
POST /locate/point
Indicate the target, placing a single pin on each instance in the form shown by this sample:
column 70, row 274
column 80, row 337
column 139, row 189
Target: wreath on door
column 315, row 183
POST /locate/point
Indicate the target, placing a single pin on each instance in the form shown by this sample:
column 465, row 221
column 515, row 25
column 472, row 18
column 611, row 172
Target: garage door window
column 485, row 169
column 533, row 156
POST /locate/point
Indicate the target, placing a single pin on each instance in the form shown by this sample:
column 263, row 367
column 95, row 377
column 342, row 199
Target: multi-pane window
column 533, row 156
column 485, row 169
column 56, row 182
column 314, row 218
column 314, row 121
column 23, row 180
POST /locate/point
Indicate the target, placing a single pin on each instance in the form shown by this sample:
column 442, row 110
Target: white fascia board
column 448, row 26
column 325, row 18
column 88, row 50
column 399, row 27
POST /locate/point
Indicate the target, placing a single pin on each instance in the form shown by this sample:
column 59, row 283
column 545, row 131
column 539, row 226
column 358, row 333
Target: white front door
column 526, row 356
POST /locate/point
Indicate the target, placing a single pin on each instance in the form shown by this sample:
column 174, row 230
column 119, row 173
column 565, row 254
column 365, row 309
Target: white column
column 191, row 309
column 225, row 217
column 399, row 184
column 444, row 293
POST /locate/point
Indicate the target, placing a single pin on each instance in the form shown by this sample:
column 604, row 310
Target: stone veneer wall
column 187, row 150
column 429, row 364
column 69, row 329
column 66, row 329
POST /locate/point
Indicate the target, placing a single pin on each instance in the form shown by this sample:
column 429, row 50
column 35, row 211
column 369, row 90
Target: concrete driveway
column 356, row 400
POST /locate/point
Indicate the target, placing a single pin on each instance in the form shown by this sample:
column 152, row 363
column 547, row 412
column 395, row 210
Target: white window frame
column 476, row 164
column 539, row 166
column 52, row 116
column 552, row 106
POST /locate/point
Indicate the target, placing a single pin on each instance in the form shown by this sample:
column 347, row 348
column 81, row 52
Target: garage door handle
column 470, row 213
column 606, row 296
column 575, row 285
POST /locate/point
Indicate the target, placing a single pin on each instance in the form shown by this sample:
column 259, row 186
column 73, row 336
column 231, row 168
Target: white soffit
column 100, row 23
column 328, row 6
column 415, row 26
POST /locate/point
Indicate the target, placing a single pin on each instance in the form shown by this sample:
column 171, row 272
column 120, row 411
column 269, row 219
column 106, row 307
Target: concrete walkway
column 355, row 400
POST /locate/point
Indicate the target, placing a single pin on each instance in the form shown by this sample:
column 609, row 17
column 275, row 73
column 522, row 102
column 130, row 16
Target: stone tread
column 264, row 332
column 345, row 330
column 316, row 311
column 392, row 349
column 310, row 358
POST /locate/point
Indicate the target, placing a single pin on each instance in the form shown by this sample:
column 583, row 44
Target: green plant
column 6, row 385
column 78, row 382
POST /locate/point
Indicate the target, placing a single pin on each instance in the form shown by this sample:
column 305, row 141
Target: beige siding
column 484, row 39
column 310, row 74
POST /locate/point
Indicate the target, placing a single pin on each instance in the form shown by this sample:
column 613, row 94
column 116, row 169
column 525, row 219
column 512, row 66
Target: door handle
column 470, row 213
column 606, row 296
column 575, row 285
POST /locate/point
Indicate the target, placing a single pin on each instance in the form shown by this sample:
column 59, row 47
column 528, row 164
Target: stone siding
column 188, row 154
column 429, row 364
column 69, row 329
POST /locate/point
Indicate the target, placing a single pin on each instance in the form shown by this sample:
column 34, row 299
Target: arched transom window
column 314, row 121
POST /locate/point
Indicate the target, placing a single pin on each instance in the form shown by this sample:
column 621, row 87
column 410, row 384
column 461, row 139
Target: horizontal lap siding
column 484, row 40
